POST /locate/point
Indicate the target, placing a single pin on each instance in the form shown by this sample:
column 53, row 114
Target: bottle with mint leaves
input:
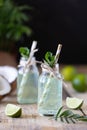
column 27, row 81
column 24, row 52
column 50, row 85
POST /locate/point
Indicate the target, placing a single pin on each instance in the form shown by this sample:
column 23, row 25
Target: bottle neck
column 56, row 68
column 23, row 61
column 48, row 71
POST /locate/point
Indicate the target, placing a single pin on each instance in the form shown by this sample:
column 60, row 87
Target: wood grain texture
column 30, row 119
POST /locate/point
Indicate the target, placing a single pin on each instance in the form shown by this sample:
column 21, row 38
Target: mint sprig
column 50, row 58
column 24, row 52
column 68, row 116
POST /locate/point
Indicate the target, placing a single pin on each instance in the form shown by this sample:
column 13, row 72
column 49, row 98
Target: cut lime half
column 74, row 103
column 13, row 110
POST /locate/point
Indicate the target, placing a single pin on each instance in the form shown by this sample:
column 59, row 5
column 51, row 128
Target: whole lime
column 68, row 72
column 79, row 82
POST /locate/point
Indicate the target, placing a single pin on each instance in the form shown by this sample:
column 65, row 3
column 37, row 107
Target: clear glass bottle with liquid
column 49, row 91
column 21, row 65
column 27, row 91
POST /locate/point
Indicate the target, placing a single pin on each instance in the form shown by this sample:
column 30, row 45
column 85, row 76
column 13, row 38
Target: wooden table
column 30, row 119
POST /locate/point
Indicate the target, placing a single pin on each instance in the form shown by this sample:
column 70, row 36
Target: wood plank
column 31, row 120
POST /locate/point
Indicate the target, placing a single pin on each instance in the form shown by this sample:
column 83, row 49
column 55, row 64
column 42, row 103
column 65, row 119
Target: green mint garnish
column 50, row 59
column 24, row 52
column 67, row 116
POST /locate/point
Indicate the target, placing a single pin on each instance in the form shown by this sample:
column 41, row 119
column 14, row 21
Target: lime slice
column 13, row 110
column 74, row 103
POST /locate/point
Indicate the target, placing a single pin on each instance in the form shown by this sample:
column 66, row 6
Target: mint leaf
column 24, row 52
column 69, row 117
column 50, row 58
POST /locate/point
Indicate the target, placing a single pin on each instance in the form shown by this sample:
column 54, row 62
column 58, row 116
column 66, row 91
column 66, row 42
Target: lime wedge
column 13, row 110
column 74, row 103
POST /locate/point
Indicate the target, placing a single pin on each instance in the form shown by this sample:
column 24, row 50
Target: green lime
column 68, row 72
column 79, row 83
column 13, row 110
column 74, row 103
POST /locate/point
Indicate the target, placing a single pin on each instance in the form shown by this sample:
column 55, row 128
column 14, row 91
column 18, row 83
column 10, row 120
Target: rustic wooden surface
column 30, row 119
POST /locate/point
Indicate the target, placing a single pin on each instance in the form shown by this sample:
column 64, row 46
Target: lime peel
column 74, row 103
column 79, row 82
column 12, row 110
column 69, row 72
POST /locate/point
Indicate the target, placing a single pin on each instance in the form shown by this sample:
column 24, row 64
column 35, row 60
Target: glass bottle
column 22, row 63
column 49, row 91
column 28, row 87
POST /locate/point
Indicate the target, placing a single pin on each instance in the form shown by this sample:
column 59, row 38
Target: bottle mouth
column 56, row 68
